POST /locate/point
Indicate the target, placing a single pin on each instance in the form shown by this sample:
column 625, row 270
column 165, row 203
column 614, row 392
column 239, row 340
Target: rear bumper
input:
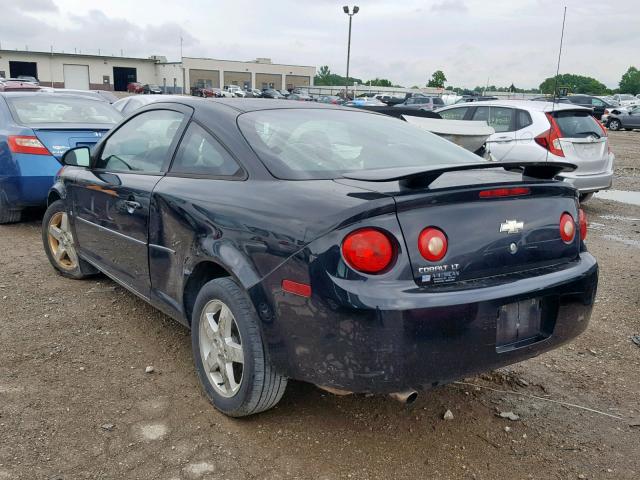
column 401, row 336
column 27, row 179
column 591, row 182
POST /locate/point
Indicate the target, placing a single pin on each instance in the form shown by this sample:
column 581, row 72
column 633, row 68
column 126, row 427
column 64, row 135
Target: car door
column 190, row 206
column 502, row 119
column 111, row 200
column 632, row 119
column 598, row 107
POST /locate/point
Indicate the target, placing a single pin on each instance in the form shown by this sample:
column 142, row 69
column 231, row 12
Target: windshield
column 40, row 109
column 300, row 144
column 627, row 97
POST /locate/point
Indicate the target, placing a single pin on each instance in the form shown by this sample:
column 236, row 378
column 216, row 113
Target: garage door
column 76, row 76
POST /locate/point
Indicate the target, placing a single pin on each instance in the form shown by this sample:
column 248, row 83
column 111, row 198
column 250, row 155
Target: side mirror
column 77, row 157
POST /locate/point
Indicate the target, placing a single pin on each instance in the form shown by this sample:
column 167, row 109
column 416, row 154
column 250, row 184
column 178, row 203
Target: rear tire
column 60, row 246
column 8, row 215
column 614, row 125
column 249, row 386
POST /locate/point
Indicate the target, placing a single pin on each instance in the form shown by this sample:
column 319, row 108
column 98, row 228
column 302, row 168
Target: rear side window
column 577, row 124
column 524, row 119
column 454, row 113
column 437, row 101
column 201, row 154
column 500, row 118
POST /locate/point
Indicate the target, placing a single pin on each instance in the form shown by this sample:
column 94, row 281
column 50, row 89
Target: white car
column 235, row 90
column 626, row 100
column 541, row 131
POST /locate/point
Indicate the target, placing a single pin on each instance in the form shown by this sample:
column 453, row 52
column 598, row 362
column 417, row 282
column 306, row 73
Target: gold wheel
column 61, row 242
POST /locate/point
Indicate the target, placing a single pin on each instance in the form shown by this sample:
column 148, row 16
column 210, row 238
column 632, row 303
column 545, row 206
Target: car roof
column 40, row 93
column 535, row 105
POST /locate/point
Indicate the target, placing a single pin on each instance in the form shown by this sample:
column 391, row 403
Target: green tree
column 575, row 84
column 630, row 82
column 437, row 79
column 379, row 82
column 324, row 77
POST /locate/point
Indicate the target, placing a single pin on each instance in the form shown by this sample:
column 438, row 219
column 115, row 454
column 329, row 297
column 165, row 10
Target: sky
column 474, row 42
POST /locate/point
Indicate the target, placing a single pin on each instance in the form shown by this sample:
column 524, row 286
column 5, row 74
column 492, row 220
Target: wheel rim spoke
column 221, row 348
column 60, row 253
column 233, row 351
column 55, row 232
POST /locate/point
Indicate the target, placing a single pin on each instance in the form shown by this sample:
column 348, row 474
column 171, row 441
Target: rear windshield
column 300, row 144
column 35, row 109
column 437, row 101
column 577, row 124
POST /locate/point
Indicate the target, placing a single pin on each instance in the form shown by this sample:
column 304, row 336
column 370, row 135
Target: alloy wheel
column 61, row 242
column 221, row 348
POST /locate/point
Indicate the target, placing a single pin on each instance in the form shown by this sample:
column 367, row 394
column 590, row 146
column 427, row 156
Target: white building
column 102, row 72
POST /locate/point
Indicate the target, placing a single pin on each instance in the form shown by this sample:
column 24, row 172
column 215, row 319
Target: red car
column 135, row 87
column 16, row 85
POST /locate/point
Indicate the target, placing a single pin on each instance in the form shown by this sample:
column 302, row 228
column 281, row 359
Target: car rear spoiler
column 420, row 177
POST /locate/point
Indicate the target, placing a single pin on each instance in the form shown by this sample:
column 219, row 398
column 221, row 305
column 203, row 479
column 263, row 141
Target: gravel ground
column 76, row 403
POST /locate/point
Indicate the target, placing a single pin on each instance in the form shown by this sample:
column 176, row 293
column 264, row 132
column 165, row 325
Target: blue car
column 324, row 244
column 36, row 128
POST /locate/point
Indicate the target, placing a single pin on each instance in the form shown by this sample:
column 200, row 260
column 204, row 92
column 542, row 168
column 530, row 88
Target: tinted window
column 454, row 113
column 481, row 114
column 500, row 119
column 34, row 109
column 596, row 102
column 577, row 124
column 200, row 154
column 524, row 119
column 437, row 101
column 141, row 144
column 298, row 144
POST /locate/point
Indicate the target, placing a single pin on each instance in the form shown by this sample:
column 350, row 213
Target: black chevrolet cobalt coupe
column 324, row 244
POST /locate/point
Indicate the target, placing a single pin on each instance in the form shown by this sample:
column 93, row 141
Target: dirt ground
column 76, row 403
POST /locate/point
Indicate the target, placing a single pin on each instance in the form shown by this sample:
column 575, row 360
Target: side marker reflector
column 301, row 289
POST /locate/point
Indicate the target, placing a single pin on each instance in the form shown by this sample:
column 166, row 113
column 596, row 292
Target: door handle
column 132, row 206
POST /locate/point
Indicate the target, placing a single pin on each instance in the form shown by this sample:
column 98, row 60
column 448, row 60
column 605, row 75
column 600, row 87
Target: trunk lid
column 59, row 140
column 487, row 237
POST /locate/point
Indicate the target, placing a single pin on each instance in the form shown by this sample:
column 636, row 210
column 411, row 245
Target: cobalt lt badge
column 511, row 226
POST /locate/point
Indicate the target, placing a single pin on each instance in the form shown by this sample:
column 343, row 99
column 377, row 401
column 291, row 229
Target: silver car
column 541, row 131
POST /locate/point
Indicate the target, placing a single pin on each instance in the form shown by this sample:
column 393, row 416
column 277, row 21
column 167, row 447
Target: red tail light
column 550, row 139
column 505, row 192
column 582, row 218
column 432, row 244
column 27, row 144
column 567, row 228
column 368, row 250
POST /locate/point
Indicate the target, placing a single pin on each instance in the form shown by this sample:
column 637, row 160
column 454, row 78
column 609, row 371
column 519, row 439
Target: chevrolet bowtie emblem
column 511, row 226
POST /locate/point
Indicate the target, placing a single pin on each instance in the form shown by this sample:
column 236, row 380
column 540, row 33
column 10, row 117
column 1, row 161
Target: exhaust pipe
column 406, row 398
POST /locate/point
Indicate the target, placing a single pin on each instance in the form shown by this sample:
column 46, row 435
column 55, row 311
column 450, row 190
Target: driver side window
column 141, row 144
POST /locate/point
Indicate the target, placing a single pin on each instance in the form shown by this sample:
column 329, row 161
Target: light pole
column 351, row 13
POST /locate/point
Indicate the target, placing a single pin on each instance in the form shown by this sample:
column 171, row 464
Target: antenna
column 555, row 86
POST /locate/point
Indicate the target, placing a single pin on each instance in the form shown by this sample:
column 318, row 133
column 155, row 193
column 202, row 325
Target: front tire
column 60, row 245
column 229, row 354
column 614, row 125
